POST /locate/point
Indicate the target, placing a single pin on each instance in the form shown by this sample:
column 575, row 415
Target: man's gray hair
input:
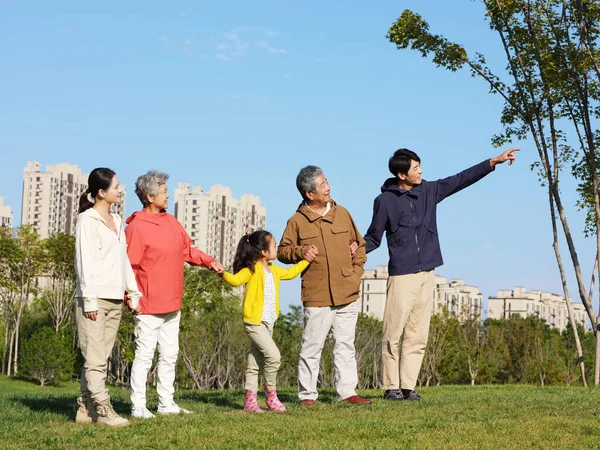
column 148, row 184
column 305, row 181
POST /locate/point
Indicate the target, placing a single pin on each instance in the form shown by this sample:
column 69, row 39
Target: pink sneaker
column 273, row 402
column 251, row 403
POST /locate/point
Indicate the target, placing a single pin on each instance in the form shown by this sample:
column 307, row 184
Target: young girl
column 261, row 309
column 103, row 275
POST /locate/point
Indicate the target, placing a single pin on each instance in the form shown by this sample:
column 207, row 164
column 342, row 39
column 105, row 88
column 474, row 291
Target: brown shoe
column 356, row 400
column 308, row 403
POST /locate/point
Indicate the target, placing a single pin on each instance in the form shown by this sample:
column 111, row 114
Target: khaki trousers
column 406, row 319
column 318, row 321
column 96, row 341
column 263, row 353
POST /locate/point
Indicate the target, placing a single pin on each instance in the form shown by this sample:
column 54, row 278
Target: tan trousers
column 263, row 353
column 406, row 319
column 96, row 341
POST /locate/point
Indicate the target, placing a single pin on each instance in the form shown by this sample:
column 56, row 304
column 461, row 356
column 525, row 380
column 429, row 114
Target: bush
column 47, row 356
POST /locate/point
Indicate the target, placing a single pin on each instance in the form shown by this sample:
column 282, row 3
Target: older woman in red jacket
column 158, row 246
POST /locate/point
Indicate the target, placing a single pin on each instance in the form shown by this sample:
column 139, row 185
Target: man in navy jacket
column 406, row 211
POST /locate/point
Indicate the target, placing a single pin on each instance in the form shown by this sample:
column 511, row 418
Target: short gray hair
column 305, row 181
column 148, row 184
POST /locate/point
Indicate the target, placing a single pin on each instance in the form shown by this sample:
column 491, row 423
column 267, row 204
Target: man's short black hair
column 400, row 161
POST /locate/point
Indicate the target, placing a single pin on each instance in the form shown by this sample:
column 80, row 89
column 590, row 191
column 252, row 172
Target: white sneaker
column 173, row 408
column 141, row 413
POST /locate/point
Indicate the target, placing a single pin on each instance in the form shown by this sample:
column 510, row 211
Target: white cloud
column 227, row 46
column 263, row 45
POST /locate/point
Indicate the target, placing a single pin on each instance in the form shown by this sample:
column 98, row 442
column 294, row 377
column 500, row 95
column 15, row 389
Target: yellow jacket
column 254, row 294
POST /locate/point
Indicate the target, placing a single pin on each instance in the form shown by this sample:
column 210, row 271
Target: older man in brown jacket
column 330, row 285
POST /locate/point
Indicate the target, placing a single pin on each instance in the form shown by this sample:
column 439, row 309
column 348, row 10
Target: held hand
column 92, row 315
column 135, row 310
column 217, row 267
column 310, row 252
column 353, row 248
column 508, row 155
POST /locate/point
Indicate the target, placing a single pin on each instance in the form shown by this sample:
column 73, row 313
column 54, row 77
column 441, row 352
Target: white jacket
column 101, row 262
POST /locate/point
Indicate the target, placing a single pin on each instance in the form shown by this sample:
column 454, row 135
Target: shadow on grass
column 235, row 399
column 65, row 405
column 225, row 399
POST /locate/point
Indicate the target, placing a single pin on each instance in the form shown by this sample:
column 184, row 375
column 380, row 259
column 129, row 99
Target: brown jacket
column 333, row 278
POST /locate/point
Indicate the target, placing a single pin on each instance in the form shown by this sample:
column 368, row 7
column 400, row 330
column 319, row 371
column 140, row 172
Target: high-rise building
column 51, row 198
column 6, row 215
column 547, row 306
column 461, row 301
column 215, row 220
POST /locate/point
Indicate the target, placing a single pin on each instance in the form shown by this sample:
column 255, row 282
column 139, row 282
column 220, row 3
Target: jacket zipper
column 416, row 236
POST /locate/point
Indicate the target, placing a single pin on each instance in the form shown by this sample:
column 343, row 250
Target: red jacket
column 157, row 246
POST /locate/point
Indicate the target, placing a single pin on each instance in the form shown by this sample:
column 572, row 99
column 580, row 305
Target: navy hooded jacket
column 409, row 220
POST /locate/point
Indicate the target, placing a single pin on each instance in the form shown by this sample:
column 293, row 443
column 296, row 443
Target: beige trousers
column 96, row 341
column 263, row 353
column 406, row 319
column 318, row 322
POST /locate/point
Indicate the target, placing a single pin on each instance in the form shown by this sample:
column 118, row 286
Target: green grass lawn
column 495, row 417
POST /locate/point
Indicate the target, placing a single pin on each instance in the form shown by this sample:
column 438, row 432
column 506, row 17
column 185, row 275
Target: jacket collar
column 391, row 185
column 145, row 216
column 313, row 216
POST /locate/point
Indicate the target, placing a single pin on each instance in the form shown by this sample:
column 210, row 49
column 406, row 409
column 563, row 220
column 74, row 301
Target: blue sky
column 246, row 93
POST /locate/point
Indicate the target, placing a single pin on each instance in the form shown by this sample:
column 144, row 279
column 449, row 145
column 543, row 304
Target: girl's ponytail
column 250, row 248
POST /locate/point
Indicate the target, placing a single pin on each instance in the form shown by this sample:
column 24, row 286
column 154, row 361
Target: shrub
column 47, row 356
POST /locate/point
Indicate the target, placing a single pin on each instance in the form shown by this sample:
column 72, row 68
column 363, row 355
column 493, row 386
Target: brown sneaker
column 356, row 400
column 308, row 403
column 107, row 415
column 86, row 412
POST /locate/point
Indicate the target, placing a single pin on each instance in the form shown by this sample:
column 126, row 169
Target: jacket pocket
column 308, row 236
column 350, row 282
column 337, row 230
column 312, row 283
column 400, row 237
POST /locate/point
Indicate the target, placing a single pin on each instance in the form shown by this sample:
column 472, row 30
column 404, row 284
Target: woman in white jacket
column 103, row 276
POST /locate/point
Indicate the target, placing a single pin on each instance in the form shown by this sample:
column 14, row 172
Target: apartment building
column 460, row 300
column 215, row 220
column 6, row 215
column 51, row 197
column 549, row 307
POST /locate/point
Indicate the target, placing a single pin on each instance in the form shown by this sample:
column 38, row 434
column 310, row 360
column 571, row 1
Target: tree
column 472, row 341
column 21, row 265
column 551, row 47
column 48, row 356
column 436, row 348
column 287, row 334
column 213, row 345
column 59, row 278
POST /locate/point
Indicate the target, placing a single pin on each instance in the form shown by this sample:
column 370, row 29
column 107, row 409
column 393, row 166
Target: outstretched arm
column 242, row 277
column 451, row 185
column 292, row 272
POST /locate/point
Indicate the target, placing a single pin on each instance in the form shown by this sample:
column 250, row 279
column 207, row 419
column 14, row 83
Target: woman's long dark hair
column 249, row 249
column 100, row 178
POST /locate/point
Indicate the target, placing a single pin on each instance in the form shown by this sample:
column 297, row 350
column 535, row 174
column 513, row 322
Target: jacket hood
column 312, row 216
column 391, row 185
column 145, row 216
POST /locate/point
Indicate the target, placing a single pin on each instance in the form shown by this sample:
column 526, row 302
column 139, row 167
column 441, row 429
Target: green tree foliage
column 47, row 356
